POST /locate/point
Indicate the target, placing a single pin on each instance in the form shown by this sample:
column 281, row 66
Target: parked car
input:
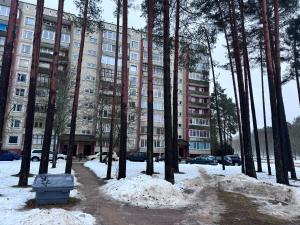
column 208, row 160
column 162, row 158
column 227, row 160
column 6, row 155
column 36, row 155
column 137, row 156
column 236, row 160
column 104, row 156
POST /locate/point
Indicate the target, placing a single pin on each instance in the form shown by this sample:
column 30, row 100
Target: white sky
column 289, row 90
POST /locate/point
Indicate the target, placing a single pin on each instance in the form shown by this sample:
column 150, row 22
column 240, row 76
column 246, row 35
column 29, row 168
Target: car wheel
column 60, row 158
column 35, row 159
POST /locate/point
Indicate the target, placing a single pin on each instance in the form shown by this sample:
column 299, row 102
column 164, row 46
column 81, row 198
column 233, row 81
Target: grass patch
column 31, row 204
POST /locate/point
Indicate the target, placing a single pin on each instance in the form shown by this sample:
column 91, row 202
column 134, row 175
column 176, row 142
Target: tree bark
column 175, row 89
column 140, row 96
column 52, row 93
column 6, row 64
column 169, row 171
column 248, row 74
column 149, row 169
column 234, row 88
column 113, row 108
column 124, row 95
column 217, row 99
column 296, row 58
column 264, row 111
column 55, row 150
column 76, row 93
column 25, row 165
column 281, row 173
column 249, row 163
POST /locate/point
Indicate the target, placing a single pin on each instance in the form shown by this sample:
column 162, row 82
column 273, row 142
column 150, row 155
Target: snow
column 13, row 199
column 146, row 191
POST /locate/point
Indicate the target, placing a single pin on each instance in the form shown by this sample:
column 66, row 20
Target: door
column 87, row 150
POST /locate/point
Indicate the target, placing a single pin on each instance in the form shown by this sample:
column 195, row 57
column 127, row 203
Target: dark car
column 208, row 160
column 236, row 160
column 227, row 160
column 8, row 156
column 163, row 156
column 137, row 157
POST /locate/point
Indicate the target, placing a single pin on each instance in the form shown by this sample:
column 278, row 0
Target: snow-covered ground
column 141, row 190
column 13, row 200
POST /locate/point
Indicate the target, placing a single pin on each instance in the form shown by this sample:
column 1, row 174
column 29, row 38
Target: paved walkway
column 237, row 209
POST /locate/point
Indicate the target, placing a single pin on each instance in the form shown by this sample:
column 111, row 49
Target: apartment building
column 94, row 112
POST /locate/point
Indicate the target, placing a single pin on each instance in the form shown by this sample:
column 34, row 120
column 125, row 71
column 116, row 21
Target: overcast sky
column 289, row 90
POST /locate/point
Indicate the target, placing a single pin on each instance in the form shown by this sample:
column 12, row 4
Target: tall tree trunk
column 76, row 93
column 113, row 108
column 234, row 88
column 248, row 74
column 124, row 95
column 52, row 93
column 149, row 169
column 56, row 149
column 140, row 96
column 264, row 110
column 296, row 58
column 281, row 173
column 187, row 95
column 287, row 150
column 169, row 171
column 6, row 63
column 249, row 163
column 217, row 99
column 175, row 89
column 25, row 165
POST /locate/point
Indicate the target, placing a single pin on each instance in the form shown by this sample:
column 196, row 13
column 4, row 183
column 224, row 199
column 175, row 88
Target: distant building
column 96, row 88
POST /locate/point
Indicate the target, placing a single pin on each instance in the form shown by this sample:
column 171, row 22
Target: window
column 19, row 92
column 27, row 34
column 109, row 34
column 158, row 143
column 105, row 113
column 90, row 78
column 22, row 77
column 134, row 56
column 4, row 10
column 26, row 49
column 92, row 53
column 15, row 123
column 38, row 124
column 49, row 35
column 199, row 133
column 132, row 105
column 2, row 41
column 89, row 91
column 158, row 118
column 43, row 80
column 158, row 106
column 158, row 93
column 88, row 118
column 37, row 139
column 77, row 44
column 133, row 68
column 204, row 146
column 199, row 121
column 110, row 61
column 143, row 143
column 135, row 44
column 132, row 92
column 132, row 81
column 131, row 117
column 17, row 107
column 93, row 40
column 86, row 132
column 13, row 140
column 40, row 108
column 24, row 63
column 91, row 65
column 29, row 21
column 198, row 76
column 192, row 88
column 78, row 31
column 65, row 38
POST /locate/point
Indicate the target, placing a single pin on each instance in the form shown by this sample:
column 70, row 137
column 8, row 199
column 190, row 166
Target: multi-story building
column 94, row 112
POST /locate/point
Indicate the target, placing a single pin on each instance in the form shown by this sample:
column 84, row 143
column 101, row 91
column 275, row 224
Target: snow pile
column 13, row 198
column 146, row 191
column 48, row 216
column 252, row 187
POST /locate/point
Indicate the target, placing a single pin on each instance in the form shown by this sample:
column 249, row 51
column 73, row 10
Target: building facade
column 94, row 112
